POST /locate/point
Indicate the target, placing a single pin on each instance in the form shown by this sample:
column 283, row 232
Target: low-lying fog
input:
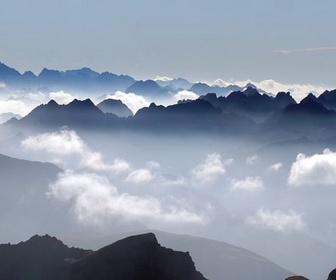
column 276, row 201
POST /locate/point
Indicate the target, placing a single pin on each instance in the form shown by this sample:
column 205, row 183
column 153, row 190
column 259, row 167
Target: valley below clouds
column 218, row 188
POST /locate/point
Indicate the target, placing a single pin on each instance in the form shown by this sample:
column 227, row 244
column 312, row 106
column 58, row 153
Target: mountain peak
column 251, row 91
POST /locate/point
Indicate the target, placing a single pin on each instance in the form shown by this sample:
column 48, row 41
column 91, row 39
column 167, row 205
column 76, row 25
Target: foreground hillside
column 136, row 257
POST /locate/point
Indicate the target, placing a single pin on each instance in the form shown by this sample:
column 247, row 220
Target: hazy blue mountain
column 135, row 257
column 203, row 89
column 23, row 188
column 149, row 88
column 79, row 80
column 115, row 107
column 4, row 117
column 175, row 84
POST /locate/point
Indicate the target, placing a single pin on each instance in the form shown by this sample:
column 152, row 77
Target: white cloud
column 95, row 200
column 153, row 165
column 317, row 49
column 14, row 106
column 185, row 95
column 298, row 91
column 38, row 96
column 250, row 184
column 316, row 169
column 140, row 176
column 251, row 160
column 210, row 169
column 163, row 78
column 68, row 149
column 276, row 166
column 61, row 97
column 131, row 100
column 277, row 220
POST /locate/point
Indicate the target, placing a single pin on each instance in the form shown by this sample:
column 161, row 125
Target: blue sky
column 291, row 41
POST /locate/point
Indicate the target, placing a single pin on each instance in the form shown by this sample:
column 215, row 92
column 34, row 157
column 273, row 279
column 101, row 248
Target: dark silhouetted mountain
column 194, row 116
column 77, row 114
column 249, row 103
column 332, row 275
column 308, row 118
column 203, row 89
column 328, row 99
column 148, row 88
column 136, row 257
column 297, row 278
column 116, row 107
column 283, row 99
column 40, row 257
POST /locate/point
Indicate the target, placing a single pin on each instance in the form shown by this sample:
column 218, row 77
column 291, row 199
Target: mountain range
column 246, row 113
column 88, row 81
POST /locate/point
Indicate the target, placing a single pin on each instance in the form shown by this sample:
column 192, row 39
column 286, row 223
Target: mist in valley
column 273, row 199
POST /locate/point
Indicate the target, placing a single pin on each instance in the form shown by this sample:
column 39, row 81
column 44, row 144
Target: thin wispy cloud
column 317, row 49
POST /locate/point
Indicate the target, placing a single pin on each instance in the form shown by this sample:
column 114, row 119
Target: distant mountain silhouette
column 77, row 114
column 115, row 107
column 328, row 99
column 149, row 88
column 133, row 258
column 250, row 103
column 7, row 73
column 189, row 117
column 194, row 116
column 175, row 84
column 80, row 80
column 23, row 188
column 203, row 89
column 308, row 118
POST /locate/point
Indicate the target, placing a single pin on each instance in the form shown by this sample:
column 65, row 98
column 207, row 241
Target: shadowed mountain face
column 136, row 257
column 77, row 114
column 194, row 116
column 308, row 118
column 250, row 103
column 116, row 107
column 41, row 257
column 332, row 275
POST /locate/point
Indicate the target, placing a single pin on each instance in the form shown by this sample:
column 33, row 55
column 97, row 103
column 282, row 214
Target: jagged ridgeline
column 135, row 257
